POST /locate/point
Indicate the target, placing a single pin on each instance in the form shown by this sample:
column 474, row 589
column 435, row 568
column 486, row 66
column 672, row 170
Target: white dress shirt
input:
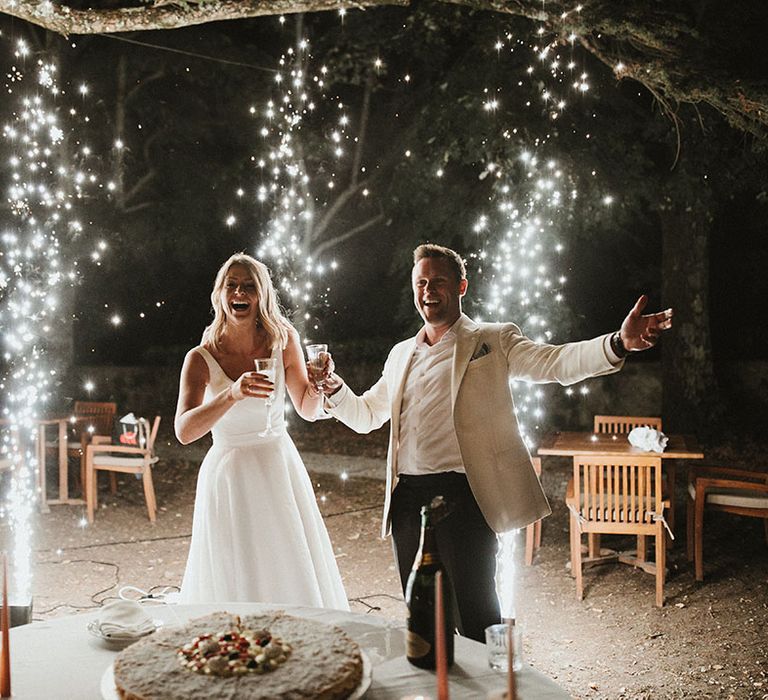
column 428, row 442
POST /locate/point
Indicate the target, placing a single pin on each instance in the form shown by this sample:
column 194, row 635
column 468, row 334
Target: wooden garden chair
column 102, row 455
column 624, row 424
column 610, row 494
column 724, row 489
column 533, row 531
column 90, row 418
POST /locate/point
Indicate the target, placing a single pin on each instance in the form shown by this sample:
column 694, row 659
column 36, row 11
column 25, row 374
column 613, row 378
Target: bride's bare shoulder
column 197, row 357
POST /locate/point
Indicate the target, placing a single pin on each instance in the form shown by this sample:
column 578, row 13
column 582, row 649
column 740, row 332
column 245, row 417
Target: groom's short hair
column 432, row 250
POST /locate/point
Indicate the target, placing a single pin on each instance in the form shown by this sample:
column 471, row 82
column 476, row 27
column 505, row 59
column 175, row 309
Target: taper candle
column 440, row 653
column 5, row 621
column 511, row 685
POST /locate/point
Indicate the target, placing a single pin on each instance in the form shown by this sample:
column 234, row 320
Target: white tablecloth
column 59, row 659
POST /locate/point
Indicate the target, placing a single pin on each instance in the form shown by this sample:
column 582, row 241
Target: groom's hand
column 325, row 380
column 330, row 382
column 641, row 331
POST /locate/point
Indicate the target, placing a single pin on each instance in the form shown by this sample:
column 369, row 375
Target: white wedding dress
column 257, row 533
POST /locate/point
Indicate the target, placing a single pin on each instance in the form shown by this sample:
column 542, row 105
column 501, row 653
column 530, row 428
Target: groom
column 453, row 430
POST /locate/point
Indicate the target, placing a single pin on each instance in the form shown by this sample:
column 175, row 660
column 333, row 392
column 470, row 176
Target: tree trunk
column 118, row 165
column 691, row 398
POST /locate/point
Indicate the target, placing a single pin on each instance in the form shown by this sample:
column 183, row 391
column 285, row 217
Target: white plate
column 109, row 691
column 365, row 681
column 118, row 642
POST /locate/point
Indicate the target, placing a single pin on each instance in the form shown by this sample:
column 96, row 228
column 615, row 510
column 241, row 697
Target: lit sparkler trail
column 47, row 176
column 300, row 206
column 518, row 248
column 520, row 242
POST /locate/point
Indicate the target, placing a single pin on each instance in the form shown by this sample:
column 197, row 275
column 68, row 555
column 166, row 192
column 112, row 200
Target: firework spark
column 47, row 177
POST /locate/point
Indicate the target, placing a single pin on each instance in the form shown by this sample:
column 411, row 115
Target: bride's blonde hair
column 268, row 313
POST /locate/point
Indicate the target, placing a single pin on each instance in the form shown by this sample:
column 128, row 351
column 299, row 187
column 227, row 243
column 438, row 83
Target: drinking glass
column 316, row 356
column 496, row 641
column 268, row 367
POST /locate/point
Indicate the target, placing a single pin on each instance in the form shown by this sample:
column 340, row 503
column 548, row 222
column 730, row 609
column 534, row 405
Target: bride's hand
column 251, row 385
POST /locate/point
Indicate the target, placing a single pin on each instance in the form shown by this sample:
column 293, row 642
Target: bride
column 257, row 533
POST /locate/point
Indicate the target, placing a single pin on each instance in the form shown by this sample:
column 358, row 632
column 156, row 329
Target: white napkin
column 123, row 619
column 648, row 439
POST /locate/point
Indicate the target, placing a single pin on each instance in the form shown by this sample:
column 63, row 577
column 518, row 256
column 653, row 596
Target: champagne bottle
column 420, row 599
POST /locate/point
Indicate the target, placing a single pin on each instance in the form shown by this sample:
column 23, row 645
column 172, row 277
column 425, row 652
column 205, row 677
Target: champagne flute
column 268, row 367
column 316, row 357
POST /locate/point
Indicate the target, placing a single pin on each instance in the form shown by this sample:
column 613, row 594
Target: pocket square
column 482, row 351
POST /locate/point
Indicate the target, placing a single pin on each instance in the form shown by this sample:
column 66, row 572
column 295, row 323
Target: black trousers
column 467, row 545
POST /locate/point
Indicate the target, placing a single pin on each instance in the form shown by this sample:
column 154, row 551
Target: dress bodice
column 243, row 422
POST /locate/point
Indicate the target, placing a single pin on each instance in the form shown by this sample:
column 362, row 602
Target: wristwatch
column 617, row 345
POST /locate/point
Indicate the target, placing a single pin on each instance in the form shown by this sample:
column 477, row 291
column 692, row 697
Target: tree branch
column 139, row 185
column 138, row 207
column 333, row 242
column 146, row 80
column 148, row 176
column 365, row 112
column 338, row 204
column 62, row 19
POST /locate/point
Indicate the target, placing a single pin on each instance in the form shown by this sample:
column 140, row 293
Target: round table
column 59, row 658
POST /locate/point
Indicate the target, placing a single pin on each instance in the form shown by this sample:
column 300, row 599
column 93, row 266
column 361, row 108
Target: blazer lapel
column 467, row 332
column 398, row 376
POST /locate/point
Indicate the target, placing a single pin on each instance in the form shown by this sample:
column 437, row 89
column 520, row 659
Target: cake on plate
column 253, row 657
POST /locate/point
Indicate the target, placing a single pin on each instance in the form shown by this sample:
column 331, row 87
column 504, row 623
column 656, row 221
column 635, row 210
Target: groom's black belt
column 415, row 490
column 436, row 480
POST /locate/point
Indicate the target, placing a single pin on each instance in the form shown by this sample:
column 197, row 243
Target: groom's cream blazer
column 486, row 357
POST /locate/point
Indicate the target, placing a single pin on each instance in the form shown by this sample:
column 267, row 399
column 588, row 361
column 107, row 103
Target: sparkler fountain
column 312, row 181
column 294, row 199
column 519, row 242
column 47, row 177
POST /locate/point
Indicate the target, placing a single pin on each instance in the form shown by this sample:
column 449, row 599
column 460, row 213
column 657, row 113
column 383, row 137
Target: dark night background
column 180, row 100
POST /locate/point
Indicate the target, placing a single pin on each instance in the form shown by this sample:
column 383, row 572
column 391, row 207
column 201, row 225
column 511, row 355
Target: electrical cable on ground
column 97, row 603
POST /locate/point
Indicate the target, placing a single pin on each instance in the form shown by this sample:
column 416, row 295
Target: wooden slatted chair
column 89, row 418
column 101, row 455
column 611, row 494
column 533, row 531
column 725, row 489
column 624, row 424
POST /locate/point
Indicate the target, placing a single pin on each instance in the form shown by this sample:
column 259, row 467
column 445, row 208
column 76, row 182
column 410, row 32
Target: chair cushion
column 741, row 498
column 120, row 461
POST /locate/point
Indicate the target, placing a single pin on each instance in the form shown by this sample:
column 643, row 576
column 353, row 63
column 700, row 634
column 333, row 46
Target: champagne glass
column 268, row 367
column 316, row 357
